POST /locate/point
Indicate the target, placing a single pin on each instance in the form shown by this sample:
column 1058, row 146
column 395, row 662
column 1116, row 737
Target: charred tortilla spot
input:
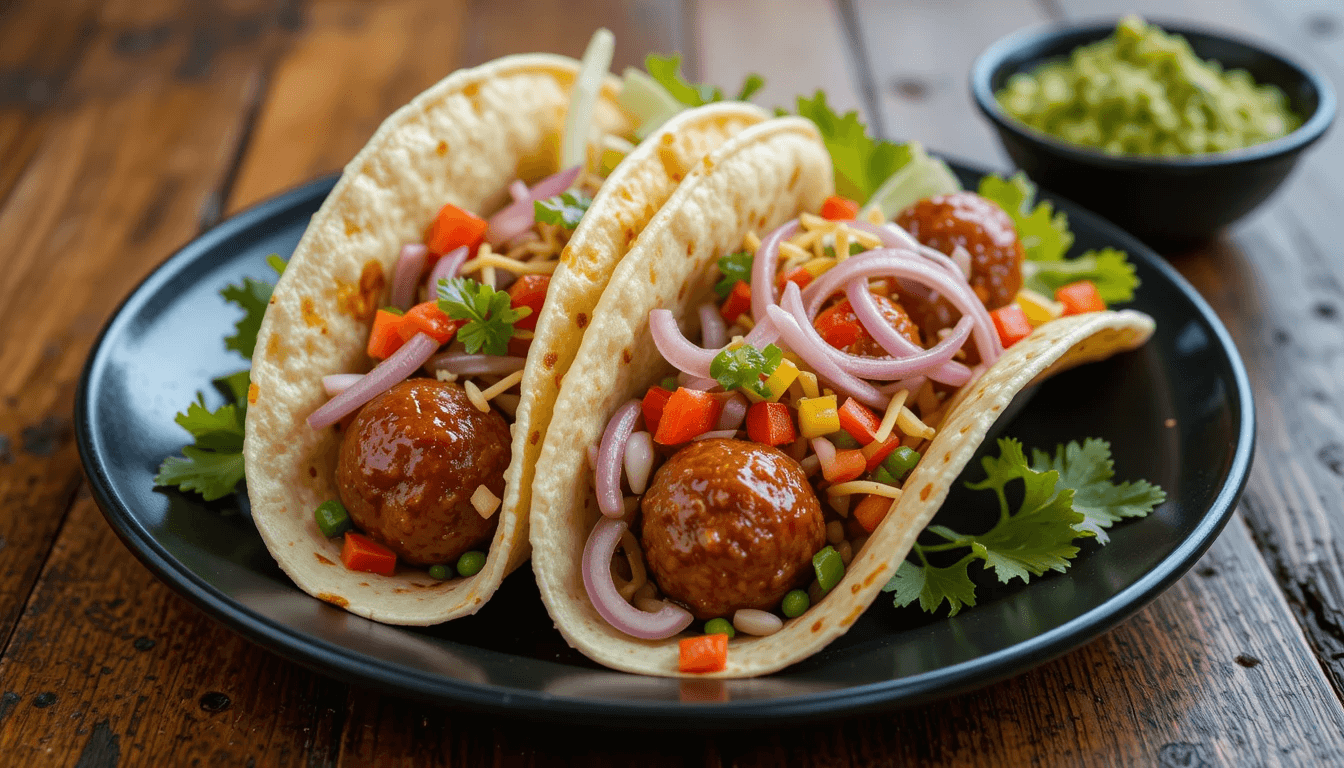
column 709, row 163
column 816, row 626
column 681, row 292
column 947, row 457
column 360, row 301
column 853, row 616
column 335, row 600
column 690, row 248
column 964, row 429
column 273, row 350
column 925, row 491
column 653, row 275
column 854, row 588
column 252, row 391
column 626, row 356
column 873, row 576
column 442, row 149
column 534, row 437
column 558, row 378
column 363, row 583
column 351, row 228
column 581, row 320
column 549, row 360
column 629, row 236
column 322, row 559
column 312, row 471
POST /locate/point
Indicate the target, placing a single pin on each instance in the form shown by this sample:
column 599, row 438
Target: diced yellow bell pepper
column 1038, row 309
column 778, row 382
column 818, row 416
column 809, row 381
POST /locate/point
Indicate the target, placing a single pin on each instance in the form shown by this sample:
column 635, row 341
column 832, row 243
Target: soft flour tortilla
column 460, row 142
column 766, row 175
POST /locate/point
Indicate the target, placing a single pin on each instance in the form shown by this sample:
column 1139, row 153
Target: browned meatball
column 411, row 461
column 730, row 524
column 986, row 232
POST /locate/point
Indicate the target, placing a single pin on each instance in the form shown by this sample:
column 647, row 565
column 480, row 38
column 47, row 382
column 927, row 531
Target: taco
column 845, row 374
column 404, row 497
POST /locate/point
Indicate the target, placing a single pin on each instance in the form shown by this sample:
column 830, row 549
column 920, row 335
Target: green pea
column 720, row 627
column 796, row 603
column 843, row 441
column 332, row 519
column 440, row 572
column 829, row 567
column 470, row 563
column 669, row 383
column 881, row 475
column 900, row 461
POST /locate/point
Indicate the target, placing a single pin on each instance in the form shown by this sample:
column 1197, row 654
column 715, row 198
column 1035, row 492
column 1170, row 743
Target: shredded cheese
column 474, row 395
column 512, row 265
column 874, row 216
column 751, row 242
column 484, row 501
column 889, row 418
column 911, row 425
column 488, row 275
column 841, row 243
column 866, row 239
column 854, row 487
column 445, row 376
column 813, row 221
column 633, row 555
column 794, row 253
column 499, row 387
column 808, row 380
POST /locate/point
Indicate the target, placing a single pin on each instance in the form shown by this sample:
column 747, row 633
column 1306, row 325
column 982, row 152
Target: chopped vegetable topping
column 454, row 227
column 440, row 572
column 829, row 568
column 332, row 519
column 385, row 337
column 429, row 319
column 770, row 423
column 818, row 416
column 565, row 209
column 735, row 268
column 489, row 315
column 871, row 511
column 655, row 400
column 837, row 208
column 1011, row 323
column 796, row 604
column 745, row 366
column 861, row 163
column 1080, row 297
column 720, row 627
column 706, row 653
column 529, row 291
column 1108, row 269
column 739, row 301
column 667, row 71
column 689, row 413
column 1066, row 497
column 360, row 553
column 470, row 563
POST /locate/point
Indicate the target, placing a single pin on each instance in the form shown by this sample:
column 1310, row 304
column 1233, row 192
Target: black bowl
column 1165, row 200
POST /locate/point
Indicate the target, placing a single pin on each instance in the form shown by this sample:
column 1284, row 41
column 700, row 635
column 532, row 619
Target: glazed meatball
column 986, row 232
column 840, row 327
column 411, row 461
column 730, row 524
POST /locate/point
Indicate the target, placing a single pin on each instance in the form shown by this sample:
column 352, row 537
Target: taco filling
column 739, row 490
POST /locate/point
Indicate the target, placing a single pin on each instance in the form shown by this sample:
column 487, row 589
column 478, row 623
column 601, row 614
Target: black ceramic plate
column 1177, row 412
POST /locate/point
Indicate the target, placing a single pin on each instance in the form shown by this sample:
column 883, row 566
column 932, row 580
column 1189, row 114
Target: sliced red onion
column 406, row 275
column 517, row 217
column 825, row 451
column 475, row 365
column 337, row 383
column 602, row 591
column 713, row 330
column 610, row 455
column 713, row 434
column 870, row 316
column 696, row 382
column 518, row 190
column 675, row 348
column 763, row 267
column 910, row 385
column 394, row 369
column 639, row 461
column 734, row 412
column 446, row 268
column 813, row 352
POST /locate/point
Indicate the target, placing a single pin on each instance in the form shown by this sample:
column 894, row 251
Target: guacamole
column 1142, row 91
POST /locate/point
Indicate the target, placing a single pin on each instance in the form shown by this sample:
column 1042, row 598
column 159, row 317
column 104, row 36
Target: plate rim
column 319, row 655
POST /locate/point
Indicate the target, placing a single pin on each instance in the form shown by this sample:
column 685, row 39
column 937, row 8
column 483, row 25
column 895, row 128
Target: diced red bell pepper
column 877, row 453
column 454, row 227
column 861, row 423
column 529, row 291
column 689, row 413
column 738, row 301
column 385, row 338
column 428, row 318
column 837, row 208
column 848, row 465
column 800, row 276
column 871, row 511
column 655, row 400
column 1011, row 323
column 770, row 423
column 706, row 653
column 1080, row 297
column 360, row 553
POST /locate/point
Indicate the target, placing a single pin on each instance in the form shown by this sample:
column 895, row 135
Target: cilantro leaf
column 1087, row 469
column 861, row 163
column 251, row 297
column 666, row 70
column 235, row 387
column 564, row 209
column 489, row 314
column 745, row 366
column 1044, row 233
column 733, row 267
column 209, row 473
column 1108, row 269
column 931, row 585
column 217, row 430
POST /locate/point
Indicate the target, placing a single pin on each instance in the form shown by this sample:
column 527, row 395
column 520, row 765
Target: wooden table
column 128, row 126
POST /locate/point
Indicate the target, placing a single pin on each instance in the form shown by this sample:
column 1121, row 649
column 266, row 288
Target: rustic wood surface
column 127, row 126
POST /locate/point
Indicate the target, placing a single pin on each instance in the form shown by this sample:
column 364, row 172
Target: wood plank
column 1276, row 281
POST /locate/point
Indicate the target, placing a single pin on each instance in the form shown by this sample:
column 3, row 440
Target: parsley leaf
column 1044, row 232
column 1087, row 469
column 1108, row 269
column 213, row 465
column 666, row 70
column 235, row 386
column 564, row 209
column 1066, row 496
column 745, row 366
column 489, row 314
column 861, row 163
column 251, row 297
column 733, row 267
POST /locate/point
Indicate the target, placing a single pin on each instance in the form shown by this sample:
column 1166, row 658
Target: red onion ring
column 394, row 369
column 675, row 348
column 474, row 365
column 406, row 274
column 825, row 451
column 713, row 330
column 733, row 414
column 517, row 217
column 716, row 434
column 893, row 235
column 446, row 268
column 601, row 588
column 518, row 190
column 337, row 383
column 870, row 316
column 763, row 267
column 813, row 352
column 610, row 455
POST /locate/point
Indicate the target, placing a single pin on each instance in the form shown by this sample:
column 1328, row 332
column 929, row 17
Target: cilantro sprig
column 666, row 70
column 746, row 366
column 1066, row 496
column 733, row 267
column 565, row 209
column 489, row 314
column 861, row 162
